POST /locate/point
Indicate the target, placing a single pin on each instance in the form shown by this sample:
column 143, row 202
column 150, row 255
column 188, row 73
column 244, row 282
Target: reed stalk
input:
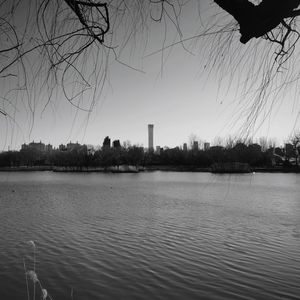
column 33, row 246
column 27, row 288
column 31, row 274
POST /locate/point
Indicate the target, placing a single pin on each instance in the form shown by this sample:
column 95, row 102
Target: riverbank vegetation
column 257, row 155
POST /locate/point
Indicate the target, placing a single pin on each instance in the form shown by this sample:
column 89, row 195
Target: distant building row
column 195, row 146
column 41, row 147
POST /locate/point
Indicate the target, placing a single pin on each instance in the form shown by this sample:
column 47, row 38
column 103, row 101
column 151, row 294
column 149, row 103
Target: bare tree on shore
column 295, row 141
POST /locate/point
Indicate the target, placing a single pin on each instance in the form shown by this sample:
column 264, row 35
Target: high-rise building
column 73, row 146
column 37, row 146
column 195, row 146
column 206, row 146
column 106, row 142
column 48, row 148
column 150, row 137
column 158, row 150
column 116, row 144
column 185, row 147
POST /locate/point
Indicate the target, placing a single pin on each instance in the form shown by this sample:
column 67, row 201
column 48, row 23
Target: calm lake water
column 159, row 235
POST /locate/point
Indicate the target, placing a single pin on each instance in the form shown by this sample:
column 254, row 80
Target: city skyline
column 194, row 143
column 235, row 154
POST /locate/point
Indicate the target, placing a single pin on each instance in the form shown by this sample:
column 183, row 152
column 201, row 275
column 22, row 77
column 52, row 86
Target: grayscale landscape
column 149, row 149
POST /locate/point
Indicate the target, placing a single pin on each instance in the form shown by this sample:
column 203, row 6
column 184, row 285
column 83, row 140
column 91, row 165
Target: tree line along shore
column 136, row 158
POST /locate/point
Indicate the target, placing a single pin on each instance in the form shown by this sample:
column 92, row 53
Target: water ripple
column 151, row 237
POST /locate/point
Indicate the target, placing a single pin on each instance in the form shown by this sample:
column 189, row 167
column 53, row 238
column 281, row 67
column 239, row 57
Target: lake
column 156, row 235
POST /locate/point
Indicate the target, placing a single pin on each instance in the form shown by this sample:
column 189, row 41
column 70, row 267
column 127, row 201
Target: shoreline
column 135, row 169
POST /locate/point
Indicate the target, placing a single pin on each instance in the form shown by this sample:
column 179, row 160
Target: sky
column 180, row 90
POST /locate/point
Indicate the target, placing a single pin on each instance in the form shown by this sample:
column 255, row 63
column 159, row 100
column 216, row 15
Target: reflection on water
column 152, row 235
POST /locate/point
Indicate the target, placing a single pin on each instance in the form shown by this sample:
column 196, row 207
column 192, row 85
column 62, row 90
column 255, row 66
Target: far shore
column 136, row 169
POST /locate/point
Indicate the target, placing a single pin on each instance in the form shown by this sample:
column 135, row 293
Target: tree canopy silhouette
column 259, row 20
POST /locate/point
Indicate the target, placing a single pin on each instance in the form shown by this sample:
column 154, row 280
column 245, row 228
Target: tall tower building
column 106, row 142
column 150, row 137
column 195, row 146
column 206, row 146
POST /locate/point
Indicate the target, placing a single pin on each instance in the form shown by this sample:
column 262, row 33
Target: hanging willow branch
column 67, row 44
column 86, row 11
